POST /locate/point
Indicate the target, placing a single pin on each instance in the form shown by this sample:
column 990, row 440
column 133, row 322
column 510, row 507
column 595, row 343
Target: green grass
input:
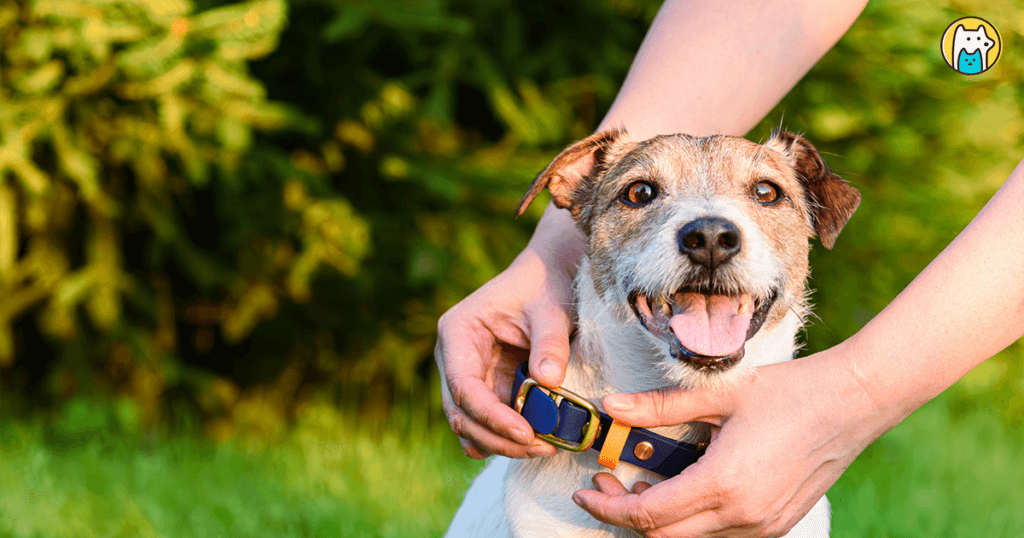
column 936, row 476
column 931, row 476
column 325, row 478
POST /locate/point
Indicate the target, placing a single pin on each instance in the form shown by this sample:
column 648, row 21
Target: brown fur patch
column 833, row 201
column 574, row 170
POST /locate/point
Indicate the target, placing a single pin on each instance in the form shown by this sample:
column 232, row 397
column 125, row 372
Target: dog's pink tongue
column 711, row 325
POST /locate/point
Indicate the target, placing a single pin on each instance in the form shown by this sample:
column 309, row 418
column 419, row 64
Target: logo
column 971, row 45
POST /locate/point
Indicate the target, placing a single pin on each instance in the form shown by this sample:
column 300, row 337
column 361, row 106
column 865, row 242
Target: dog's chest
column 610, row 354
column 538, row 492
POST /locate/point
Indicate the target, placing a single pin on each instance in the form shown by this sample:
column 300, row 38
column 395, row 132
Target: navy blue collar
column 568, row 421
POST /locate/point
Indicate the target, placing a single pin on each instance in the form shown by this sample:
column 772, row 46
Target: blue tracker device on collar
column 571, row 422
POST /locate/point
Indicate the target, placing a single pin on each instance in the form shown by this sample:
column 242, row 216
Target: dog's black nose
column 709, row 241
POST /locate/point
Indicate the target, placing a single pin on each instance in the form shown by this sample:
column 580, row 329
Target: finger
column 549, row 328
column 719, row 520
column 464, row 388
column 625, row 510
column 478, row 401
column 470, row 449
column 489, row 442
column 668, row 406
column 709, row 523
column 662, row 504
column 641, row 487
column 695, row 525
column 609, row 484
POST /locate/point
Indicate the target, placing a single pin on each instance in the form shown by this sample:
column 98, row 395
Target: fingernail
column 549, row 369
column 618, row 402
column 541, row 450
column 576, row 499
column 522, row 436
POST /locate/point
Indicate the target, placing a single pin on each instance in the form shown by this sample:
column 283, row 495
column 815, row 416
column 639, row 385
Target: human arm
column 703, row 68
column 797, row 426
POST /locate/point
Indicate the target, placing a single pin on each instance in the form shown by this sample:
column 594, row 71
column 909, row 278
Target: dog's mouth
column 706, row 329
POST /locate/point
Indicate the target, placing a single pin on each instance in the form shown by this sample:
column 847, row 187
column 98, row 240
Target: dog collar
column 571, row 422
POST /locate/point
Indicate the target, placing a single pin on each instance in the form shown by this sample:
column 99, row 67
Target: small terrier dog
column 695, row 272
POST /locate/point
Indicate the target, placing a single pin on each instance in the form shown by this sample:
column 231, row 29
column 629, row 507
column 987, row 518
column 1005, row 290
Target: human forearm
column 556, row 242
column 966, row 306
column 707, row 68
column 718, row 67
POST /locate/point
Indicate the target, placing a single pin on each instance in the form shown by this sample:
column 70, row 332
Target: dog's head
column 701, row 241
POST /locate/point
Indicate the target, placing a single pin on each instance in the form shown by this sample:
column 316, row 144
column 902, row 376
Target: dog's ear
column 573, row 169
column 832, row 200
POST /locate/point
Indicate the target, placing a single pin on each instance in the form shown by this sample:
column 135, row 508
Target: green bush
column 131, row 199
column 234, row 219
column 185, row 243
column 492, row 90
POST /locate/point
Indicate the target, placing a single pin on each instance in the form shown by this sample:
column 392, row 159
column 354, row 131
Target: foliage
column 192, row 236
column 444, row 110
column 118, row 121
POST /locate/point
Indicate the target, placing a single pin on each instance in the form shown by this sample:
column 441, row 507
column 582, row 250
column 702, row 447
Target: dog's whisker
column 794, row 311
column 810, row 314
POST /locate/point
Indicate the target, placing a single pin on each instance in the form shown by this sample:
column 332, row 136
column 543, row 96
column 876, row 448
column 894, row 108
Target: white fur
column 979, row 39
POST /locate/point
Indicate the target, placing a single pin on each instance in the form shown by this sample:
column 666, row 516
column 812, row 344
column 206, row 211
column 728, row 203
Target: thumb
column 667, row 406
column 549, row 328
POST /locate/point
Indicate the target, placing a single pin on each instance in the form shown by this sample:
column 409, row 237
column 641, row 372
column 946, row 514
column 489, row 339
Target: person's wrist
column 542, row 266
column 557, row 243
column 860, row 395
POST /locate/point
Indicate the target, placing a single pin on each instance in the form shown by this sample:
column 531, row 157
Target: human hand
column 783, row 436
column 523, row 312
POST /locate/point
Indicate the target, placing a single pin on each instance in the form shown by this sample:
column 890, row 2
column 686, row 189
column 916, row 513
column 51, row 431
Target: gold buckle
column 593, row 424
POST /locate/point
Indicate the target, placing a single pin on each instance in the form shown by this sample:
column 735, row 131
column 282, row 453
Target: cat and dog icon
column 971, row 51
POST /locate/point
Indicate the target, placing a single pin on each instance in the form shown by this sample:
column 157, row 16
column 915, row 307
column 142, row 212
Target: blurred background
column 227, row 231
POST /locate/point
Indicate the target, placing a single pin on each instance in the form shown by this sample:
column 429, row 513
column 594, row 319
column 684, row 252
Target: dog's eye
column 639, row 193
column 766, row 192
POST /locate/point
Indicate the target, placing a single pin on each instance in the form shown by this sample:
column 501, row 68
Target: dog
column 695, row 272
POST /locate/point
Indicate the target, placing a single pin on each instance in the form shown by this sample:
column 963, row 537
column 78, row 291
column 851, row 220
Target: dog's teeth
column 746, row 304
column 643, row 305
column 658, row 304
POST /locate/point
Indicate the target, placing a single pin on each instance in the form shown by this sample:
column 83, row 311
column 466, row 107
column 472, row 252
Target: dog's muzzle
column 707, row 330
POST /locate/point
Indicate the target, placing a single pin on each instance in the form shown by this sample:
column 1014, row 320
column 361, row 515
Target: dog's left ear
column 832, row 200
column 573, row 169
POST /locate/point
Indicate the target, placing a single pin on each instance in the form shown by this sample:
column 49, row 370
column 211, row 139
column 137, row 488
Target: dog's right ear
column 573, row 169
column 832, row 200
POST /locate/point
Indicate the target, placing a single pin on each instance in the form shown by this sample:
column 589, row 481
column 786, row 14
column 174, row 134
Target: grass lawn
column 935, row 476
column 324, row 478
column 931, row 476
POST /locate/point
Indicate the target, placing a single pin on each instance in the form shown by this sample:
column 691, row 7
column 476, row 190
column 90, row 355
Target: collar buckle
column 591, row 430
